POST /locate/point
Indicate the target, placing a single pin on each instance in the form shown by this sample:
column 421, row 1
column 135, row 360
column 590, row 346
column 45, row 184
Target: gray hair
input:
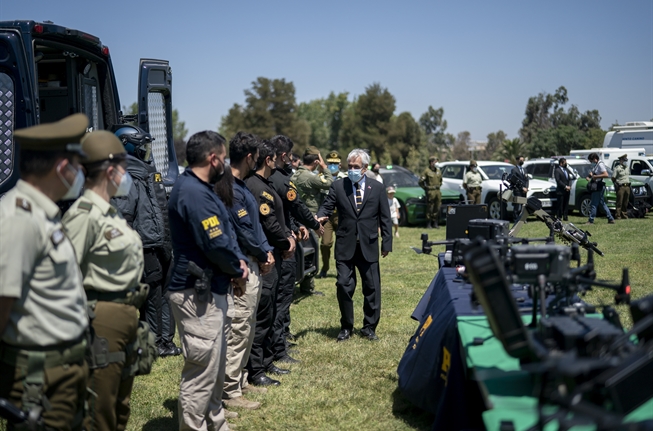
column 359, row 152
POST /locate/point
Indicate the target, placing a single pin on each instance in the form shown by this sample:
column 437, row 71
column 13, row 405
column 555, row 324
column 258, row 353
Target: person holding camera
column 596, row 186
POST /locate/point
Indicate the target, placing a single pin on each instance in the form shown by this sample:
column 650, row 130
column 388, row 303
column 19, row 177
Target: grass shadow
column 412, row 415
column 165, row 423
column 331, row 332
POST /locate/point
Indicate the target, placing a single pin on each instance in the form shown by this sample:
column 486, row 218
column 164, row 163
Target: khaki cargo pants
column 202, row 334
column 474, row 195
column 328, row 238
column 241, row 335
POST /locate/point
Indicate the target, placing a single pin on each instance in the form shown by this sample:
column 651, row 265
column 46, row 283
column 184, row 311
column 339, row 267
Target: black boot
column 428, row 225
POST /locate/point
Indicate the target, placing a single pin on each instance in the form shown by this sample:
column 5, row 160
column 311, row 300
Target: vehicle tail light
column 105, row 50
column 38, row 28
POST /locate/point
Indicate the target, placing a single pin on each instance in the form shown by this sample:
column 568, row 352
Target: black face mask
column 521, row 163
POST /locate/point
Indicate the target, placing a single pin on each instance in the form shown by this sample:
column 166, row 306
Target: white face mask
column 124, row 186
column 75, row 188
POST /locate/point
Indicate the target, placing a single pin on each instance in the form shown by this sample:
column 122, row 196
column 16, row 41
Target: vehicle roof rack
column 635, row 125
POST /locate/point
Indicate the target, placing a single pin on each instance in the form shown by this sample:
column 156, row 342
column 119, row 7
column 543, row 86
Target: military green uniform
column 42, row 350
column 110, row 255
column 621, row 179
column 431, row 181
column 310, row 187
column 331, row 225
column 472, row 183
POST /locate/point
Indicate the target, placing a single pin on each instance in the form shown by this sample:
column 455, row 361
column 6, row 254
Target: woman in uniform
column 110, row 256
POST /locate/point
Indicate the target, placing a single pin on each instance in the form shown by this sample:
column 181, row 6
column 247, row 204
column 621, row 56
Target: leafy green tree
column 548, row 129
column 510, row 150
column 434, row 127
column 404, row 134
column 460, row 150
column 367, row 124
column 270, row 109
column 325, row 116
column 494, row 142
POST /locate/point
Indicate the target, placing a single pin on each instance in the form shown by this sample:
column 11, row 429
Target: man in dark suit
column 362, row 207
column 563, row 187
column 519, row 171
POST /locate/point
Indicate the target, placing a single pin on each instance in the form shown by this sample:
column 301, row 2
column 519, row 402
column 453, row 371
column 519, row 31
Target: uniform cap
column 102, row 145
column 63, row 135
column 312, row 151
column 433, row 159
column 472, row 163
column 624, row 157
column 333, row 157
column 390, row 190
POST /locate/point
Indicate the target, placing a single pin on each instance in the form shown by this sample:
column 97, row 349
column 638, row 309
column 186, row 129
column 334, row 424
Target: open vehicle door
column 14, row 95
column 155, row 115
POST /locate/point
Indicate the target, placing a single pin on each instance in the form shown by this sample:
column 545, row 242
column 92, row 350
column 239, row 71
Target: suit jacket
column 562, row 181
column 363, row 225
column 523, row 178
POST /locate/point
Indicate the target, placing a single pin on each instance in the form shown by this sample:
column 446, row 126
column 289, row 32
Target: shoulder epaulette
column 267, row 196
column 24, row 204
column 86, row 206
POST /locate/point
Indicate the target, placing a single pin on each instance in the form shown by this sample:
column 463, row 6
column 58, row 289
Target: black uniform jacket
column 270, row 210
column 293, row 206
column 562, row 181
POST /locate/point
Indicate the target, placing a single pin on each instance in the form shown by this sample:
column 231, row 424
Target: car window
column 399, row 179
column 495, row 172
column 530, row 169
column 541, row 170
column 582, row 169
column 453, row 171
column 636, row 167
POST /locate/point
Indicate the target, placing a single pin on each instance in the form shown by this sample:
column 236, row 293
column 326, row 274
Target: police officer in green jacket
column 431, row 181
column 312, row 179
column 43, row 319
column 110, row 255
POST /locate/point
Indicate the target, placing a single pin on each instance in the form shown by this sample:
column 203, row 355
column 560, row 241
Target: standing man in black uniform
column 280, row 237
column 563, row 179
column 146, row 210
column 202, row 240
column 293, row 208
column 519, row 171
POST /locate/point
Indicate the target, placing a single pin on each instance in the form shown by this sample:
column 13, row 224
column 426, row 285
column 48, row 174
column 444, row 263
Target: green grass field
column 353, row 385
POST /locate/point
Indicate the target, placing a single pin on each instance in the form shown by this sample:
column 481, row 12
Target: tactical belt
column 52, row 356
column 624, row 185
column 135, row 296
column 473, row 188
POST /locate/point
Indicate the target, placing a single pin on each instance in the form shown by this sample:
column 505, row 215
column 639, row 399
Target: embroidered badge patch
column 242, row 213
column 265, row 209
column 267, row 196
column 212, row 227
column 112, row 233
column 291, row 195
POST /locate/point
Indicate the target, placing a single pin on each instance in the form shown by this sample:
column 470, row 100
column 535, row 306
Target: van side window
column 7, row 108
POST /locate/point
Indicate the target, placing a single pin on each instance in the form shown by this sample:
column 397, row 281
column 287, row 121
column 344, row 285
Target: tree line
column 369, row 120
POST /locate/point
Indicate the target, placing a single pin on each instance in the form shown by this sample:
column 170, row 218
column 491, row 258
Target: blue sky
column 479, row 60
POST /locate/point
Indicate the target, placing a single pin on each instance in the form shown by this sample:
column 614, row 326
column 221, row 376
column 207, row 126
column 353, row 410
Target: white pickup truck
column 454, row 172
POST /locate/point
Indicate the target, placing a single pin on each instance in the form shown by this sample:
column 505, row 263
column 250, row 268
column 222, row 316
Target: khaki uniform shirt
column 39, row 269
column 310, row 187
column 473, row 179
column 621, row 174
column 110, row 253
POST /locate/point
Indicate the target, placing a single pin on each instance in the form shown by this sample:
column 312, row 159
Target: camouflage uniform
column 431, row 181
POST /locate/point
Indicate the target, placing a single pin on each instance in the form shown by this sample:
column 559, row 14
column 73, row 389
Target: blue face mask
column 355, row 175
column 333, row 168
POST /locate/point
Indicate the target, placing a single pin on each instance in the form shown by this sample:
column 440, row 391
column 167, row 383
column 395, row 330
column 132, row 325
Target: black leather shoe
column 174, row 347
column 264, row 381
column 291, row 337
column 322, row 274
column 344, row 335
column 278, row 371
column 287, row 359
column 168, row 349
column 369, row 334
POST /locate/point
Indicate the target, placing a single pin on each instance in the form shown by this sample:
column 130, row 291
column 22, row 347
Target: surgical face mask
column 75, row 188
column 125, row 185
column 333, row 168
column 355, row 175
column 474, row 169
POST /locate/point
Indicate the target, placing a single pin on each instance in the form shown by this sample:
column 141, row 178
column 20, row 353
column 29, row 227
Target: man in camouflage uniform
column 472, row 183
column 621, row 179
column 431, row 181
column 43, row 318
